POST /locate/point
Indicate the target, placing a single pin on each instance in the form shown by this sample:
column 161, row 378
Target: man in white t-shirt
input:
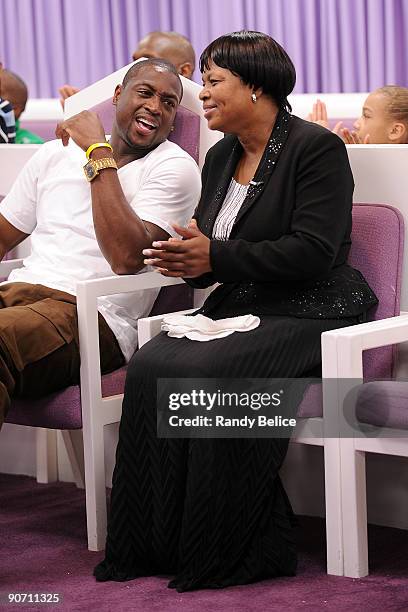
column 86, row 221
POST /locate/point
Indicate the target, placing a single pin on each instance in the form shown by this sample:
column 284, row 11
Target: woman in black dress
column 273, row 227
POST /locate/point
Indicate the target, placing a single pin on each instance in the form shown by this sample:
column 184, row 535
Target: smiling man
column 91, row 207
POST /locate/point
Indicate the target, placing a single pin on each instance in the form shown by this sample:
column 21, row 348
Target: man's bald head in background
column 171, row 46
column 14, row 90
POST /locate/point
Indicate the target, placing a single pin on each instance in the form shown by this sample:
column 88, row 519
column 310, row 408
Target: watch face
column 90, row 171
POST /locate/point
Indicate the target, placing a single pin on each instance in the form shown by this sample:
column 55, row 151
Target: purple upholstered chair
column 377, row 245
column 380, row 412
column 377, row 248
column 97, row 402
column 377, row 251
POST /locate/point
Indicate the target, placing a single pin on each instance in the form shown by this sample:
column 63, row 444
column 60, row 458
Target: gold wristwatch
column 94, row 166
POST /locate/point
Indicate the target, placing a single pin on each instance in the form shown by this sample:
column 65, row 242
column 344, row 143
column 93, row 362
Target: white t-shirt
column 51, row 200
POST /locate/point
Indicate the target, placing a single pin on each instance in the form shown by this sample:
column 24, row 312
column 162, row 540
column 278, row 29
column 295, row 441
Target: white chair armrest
column 342, row 349
column 126, row 283
column 149, row 327
column 87, row 295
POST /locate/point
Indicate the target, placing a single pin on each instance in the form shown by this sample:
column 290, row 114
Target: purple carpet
column 43, row 550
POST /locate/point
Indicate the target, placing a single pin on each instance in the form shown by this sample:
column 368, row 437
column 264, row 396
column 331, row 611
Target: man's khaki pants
column 39, row 345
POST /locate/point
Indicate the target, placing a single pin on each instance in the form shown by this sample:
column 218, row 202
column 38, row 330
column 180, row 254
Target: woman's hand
column 85, row 129
column 186, row 258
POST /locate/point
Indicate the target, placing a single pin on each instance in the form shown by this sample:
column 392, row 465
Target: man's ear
column 398, row 133
column 116, row 95
column 186, row 70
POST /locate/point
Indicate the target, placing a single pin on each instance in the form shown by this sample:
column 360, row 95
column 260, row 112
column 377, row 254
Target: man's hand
column 186, row 258
column 66, row 91
column 353, row 137
column 319, row 116
column 84, row 129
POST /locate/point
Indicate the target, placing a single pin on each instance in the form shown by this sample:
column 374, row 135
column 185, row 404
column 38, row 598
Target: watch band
column 94, row 166
column 96, row 145
column 103, row 162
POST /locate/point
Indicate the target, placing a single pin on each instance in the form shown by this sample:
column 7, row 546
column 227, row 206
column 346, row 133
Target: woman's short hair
column 257, row 59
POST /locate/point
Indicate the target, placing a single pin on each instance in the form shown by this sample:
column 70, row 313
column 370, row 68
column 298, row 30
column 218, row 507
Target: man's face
column 146, row 107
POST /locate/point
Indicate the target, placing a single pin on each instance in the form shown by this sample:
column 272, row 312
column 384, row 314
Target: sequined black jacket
column 288, row 248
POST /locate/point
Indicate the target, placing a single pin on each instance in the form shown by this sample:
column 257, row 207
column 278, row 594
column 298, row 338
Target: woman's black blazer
column 288, row 248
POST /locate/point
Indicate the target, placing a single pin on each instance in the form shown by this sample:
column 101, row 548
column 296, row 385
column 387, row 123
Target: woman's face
column 226, row 100
column 374, row 121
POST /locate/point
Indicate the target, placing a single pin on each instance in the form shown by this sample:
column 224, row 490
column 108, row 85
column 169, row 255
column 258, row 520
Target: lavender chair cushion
column 384, row 404
column 312, row 403
column 62, row 409
column 379, row 403
column 377, row 251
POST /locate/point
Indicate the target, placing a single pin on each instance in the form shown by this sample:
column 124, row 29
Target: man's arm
column 10, row 236
column 120, row 232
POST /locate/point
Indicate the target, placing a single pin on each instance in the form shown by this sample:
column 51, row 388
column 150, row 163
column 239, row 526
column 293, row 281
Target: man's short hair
column 161, row 63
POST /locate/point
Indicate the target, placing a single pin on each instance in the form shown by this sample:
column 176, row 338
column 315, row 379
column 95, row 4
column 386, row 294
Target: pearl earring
column 253, row 97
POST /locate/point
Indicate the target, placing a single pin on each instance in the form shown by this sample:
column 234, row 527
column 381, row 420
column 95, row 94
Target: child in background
column 384, row 118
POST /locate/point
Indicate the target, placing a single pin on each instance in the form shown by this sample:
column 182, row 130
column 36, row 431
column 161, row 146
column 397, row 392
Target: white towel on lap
column 203, row 328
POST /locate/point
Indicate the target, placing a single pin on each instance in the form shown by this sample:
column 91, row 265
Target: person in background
column 213, row 512
column 171, row 46
column 384, row 118
column 7, row 119
column 91, row 206
column 15, row 90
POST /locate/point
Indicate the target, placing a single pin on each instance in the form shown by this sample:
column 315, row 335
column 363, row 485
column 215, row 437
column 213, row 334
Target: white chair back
column 381, row 177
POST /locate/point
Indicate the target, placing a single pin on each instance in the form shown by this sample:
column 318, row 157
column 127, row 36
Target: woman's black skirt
column 210, row 512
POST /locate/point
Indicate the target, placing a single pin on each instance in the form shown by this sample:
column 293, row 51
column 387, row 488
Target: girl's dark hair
column 257, row 59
